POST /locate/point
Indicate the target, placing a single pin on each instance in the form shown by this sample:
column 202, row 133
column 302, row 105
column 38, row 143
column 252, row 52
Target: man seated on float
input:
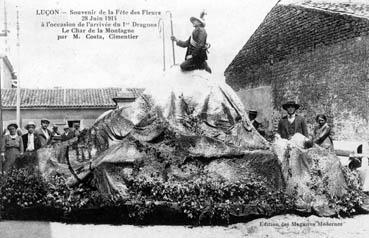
column 196, row 54
column 293, row 126
column 257, row 125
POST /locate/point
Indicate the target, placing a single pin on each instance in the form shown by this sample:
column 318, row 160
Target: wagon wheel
column 73, row 172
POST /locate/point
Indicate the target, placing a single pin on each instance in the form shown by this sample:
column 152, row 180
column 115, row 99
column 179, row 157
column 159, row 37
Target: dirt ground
column 279, row 226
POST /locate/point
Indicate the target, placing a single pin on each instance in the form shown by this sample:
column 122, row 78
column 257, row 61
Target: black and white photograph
column 197, row 118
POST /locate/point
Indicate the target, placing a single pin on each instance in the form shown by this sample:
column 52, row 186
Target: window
column 72, row 122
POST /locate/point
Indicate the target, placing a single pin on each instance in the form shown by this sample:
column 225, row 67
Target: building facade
column 314, row 52
column 64, row 106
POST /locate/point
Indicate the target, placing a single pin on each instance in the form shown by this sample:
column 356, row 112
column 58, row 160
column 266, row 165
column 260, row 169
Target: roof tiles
column 358, row 8
column 64, row 98
column 299, row 26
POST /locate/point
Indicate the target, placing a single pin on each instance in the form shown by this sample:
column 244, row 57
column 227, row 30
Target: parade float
column 183, row 153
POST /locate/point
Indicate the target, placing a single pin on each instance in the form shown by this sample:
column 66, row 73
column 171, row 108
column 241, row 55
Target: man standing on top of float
column 196, row 54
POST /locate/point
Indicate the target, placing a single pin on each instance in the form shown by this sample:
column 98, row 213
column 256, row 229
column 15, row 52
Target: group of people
column 15, row 145
column 291, row 124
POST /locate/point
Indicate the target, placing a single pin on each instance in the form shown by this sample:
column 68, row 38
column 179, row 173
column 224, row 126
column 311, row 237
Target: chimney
column 124, row 98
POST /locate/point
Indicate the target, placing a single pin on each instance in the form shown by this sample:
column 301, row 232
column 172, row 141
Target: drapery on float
column 189, row 148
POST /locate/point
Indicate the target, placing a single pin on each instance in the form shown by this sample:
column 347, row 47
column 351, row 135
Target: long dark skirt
column 29, row 159
column 11, row 154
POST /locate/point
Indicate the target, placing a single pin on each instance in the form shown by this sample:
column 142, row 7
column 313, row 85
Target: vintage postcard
column 198, row 118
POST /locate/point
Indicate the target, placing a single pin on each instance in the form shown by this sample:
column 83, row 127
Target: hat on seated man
column 292, row 123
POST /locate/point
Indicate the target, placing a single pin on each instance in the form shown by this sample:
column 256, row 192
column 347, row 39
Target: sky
column 42, row 61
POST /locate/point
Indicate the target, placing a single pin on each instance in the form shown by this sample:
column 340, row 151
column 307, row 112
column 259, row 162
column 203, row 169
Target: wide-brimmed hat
column 30, row 123
column 45, row 120
column 12, row 125
column 200, row 19
column 290, row 103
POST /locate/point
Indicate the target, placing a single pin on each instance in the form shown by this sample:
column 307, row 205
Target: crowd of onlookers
column 15, row 144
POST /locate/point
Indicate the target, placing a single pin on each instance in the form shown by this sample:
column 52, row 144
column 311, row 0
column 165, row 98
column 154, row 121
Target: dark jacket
column 37, row 142
column 65, row 137
column 198, row 47
column 286, row 130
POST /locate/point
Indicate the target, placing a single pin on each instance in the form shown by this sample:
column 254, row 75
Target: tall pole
column 1, row 115
column 1, row 111
column 171, row 31
column 161, row 30
column 3, row 33
column 19, row 122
